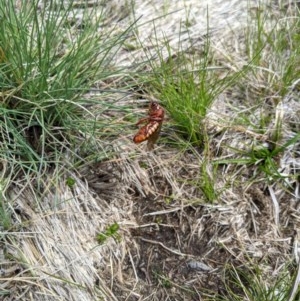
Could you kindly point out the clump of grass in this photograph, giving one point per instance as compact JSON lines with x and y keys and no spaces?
{"x":274,"y":53}
{"x":241,"y":284}
{"x":47,"y":63}
{"x":187,"y":82}
{"x":182,"y":84}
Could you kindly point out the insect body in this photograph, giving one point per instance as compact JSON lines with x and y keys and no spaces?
{"x":151,"y":130}
{"x":146,"y":131}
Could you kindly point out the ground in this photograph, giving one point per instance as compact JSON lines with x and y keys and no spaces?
{"x":173,"y":242}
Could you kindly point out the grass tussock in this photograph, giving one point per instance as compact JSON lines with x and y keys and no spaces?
{"x":48,"y":64}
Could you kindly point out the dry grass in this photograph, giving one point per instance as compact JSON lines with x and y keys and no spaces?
{"x":172,"y":244}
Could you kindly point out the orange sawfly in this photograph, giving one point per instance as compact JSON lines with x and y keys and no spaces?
{"x":151,"y":130}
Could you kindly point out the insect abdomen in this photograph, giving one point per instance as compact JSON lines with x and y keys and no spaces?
{"x":146,"y":131}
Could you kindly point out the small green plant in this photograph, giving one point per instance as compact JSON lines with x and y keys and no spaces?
{"x":264,"y":157}
{"x":207,"y":183}
{"x":5,"y":216}
{"x":162,"y":279}
{"x":70,"y":182}
{"x":110,"y":231}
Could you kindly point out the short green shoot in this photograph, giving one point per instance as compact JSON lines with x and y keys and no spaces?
{"x":70,"y":182}
{"x":110,"y":231}
{"x":207,"y":183}
{"x":162,"y":280}
{"x":5,"y":215}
